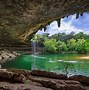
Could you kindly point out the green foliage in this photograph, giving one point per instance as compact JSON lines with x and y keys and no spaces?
{"x":62,"y":42}
{"x":51,"y":45}
{"x":81,"y":46}
{"x":62,"y":46}
{"x":87,"y":47}
{"x":71,"y":44}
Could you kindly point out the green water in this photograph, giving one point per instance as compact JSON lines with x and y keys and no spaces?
{"x":69,"y":64}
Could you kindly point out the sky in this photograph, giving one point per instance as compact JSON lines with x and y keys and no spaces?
{"x":68,"y":25}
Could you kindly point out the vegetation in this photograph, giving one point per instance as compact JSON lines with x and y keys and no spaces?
{"x":67,"y":43}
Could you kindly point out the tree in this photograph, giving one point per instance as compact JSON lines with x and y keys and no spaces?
{"x":62,"y":46}
{"x":81,"y":46}
{"x":51,"y":45}
{"x":80,"y":35}
{"x":71,"y":44}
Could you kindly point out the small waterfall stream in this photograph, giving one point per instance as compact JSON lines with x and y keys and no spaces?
{"x":34,"y":52}
{"x":34,"y":48}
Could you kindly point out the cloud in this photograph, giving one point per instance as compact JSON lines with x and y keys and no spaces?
{"x":69,"y":24}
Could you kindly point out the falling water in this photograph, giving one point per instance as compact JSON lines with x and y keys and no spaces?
{"x":34,"y":48}
{"x":34,"y":53}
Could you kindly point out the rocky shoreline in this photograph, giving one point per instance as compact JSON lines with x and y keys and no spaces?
{"x":7,"y":55}
{"x":40,"y":80}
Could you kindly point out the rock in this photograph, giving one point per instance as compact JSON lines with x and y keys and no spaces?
{"x":16,"y":54}
{"x":0,"y":57}
{"x":12,"y":76}
{"x":48,"y":74}
{"x":19,"y":78}
{"x":20,"y":71}
{"x":10,"y":86}
{"x":23,"y":18}
{"x":5,"y":55}
{"x":21,"y":81}
{"x":80,"y":78}
{"x":11,"y":55}
{"x":56,"y":84}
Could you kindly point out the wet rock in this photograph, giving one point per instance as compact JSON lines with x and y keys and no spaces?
{"x":80,"y":78}
{"x":48,"y":74}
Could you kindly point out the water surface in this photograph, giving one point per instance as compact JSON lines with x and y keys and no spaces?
{"x":69,"y":64}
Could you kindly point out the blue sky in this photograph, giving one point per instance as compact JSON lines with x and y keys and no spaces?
{"x":68,"y":25}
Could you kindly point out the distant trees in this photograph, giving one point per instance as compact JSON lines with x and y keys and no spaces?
{"x":68,"y":43}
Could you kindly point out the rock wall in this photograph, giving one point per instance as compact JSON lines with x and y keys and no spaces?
{"x":20,"y":19}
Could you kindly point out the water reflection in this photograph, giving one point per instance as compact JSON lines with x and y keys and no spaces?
{"x":66,"y":64}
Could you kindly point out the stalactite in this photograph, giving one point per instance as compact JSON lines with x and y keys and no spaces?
{"x":67,"y":16}
{"x":77,"y":15}
{"x":45,"y":28}
{"x":81,"y":14}
{"x":48,"y":23}
{"x":58,"y":21}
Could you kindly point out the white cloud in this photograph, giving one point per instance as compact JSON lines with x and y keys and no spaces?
{"x":69,"y":25}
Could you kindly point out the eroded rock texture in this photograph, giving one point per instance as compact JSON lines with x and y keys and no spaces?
{"x":20,"y":19}
{"x":38,"y":80}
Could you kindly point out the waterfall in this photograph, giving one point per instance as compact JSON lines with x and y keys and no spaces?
{"x":34,"y":47}
{"x":34,"y":52}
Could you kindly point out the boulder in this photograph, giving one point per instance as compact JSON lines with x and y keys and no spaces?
{"x":48,"y":74}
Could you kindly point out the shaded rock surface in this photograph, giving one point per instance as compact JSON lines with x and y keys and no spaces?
{"x":25,"y":80}
{"x":20,"y":19}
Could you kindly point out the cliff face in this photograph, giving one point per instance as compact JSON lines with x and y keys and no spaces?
{"x":22,"y":18}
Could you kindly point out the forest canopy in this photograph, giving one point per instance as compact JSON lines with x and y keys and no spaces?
{"x":63,"y":43}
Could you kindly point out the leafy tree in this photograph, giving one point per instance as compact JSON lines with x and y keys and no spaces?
{"x":51,"y":45}
{"x":80,"y":35}
{"x":81,"y":46}
{"x":62,"y":46}
{"x":71,"y":44}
